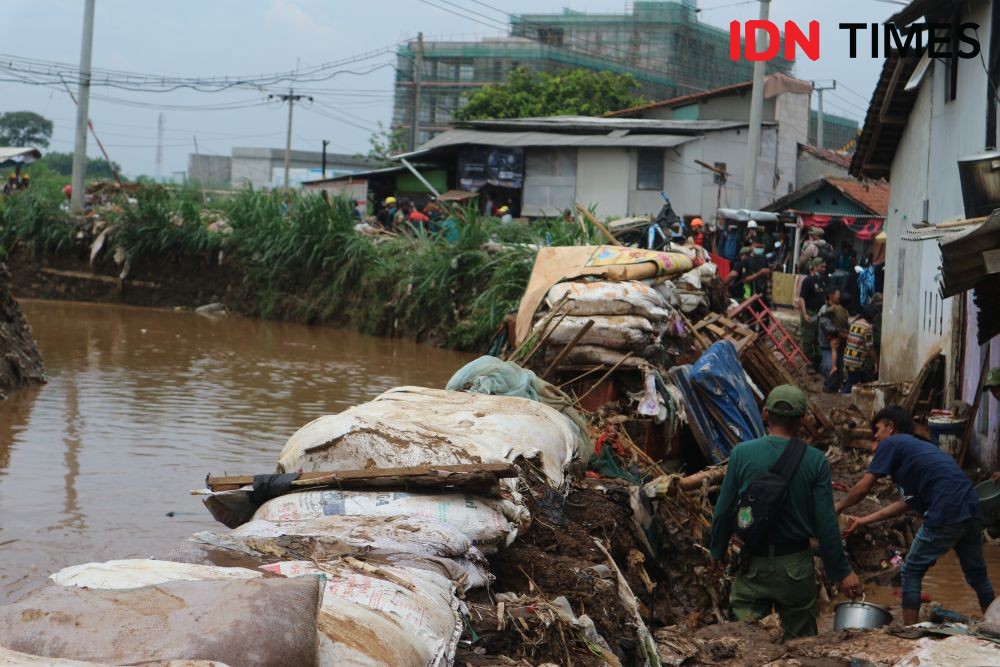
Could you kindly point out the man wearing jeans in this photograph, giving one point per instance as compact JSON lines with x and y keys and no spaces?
{"x":933,"y":484}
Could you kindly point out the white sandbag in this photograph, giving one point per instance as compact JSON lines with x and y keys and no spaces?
{"x":139,"y":572}
{"x":690,"y":280}
{"x":410,"y":541}
{"x":415,"y":620}
{"x":617,"y":332}
{"x":489,"y":522}
{"x":415,"y":426}
{"x":630,"y":297}
{"x":587,"y":355}
{"x":10,"y":658}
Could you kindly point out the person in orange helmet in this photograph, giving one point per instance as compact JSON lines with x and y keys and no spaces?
{"x":698,"y":231}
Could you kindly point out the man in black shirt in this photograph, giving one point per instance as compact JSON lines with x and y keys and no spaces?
{"x":812,"y":296}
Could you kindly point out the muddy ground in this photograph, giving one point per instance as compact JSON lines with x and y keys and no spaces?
{"x":20,"y":360}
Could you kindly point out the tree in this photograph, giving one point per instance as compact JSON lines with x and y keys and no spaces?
{"x":577,"y":92}
{"x":24,"y":128}
{"x":62,"y":163}
{"x":386,"y":142}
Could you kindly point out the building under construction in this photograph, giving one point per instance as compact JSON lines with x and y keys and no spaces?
{"x":660,"y":42}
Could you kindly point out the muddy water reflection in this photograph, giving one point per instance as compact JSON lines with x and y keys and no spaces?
{"x":142,"y":404}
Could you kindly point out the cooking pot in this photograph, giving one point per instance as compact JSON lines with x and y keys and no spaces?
{"x":860,"y":615}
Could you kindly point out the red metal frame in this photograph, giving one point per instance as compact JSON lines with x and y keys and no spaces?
{"x":755,"y":314}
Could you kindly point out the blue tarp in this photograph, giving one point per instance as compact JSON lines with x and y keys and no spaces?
{"x":717,"y":380}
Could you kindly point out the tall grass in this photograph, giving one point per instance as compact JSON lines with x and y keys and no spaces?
{"x":300,"y":258}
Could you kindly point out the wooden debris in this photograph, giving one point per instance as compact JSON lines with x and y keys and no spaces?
{"x":465,"y":476}
{"x":715,"y":327}
{"x":569,"y":346}
{"x":597,"y":223}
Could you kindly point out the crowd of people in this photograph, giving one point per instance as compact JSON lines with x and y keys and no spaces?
{"x":16,"y":182}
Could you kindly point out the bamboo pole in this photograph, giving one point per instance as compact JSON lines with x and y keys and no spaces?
{"x":597,"y":223}
{"x":569,"y":346}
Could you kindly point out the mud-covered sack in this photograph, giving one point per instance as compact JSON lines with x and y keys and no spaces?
{"x":629,"y":297}
{"x":396,"y":617}
{"x":490,"y":523}
{"x":616,"y":332}
{"x":416,"y":426}
{"x":10,"y":658}
{"x":594,"y":355}
{"x":139,"y":572}
{"x":410,"y":541}
{"x":252,"y":622}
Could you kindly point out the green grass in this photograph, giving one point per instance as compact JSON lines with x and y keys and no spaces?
{"x":301,"y":259}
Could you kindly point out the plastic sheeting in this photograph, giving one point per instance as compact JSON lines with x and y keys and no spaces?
{"x":415,"y":426}
{"x":717,"y":383}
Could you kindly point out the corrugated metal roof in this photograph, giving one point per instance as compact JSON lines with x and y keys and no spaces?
{"x":537,"y":139}
{"x":593,"y":124}
{"x":20,"y":154}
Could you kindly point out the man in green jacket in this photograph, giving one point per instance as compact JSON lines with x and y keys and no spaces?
{"x":779,"y":574}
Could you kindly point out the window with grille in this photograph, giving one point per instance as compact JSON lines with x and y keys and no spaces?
{"x":649,"y":169}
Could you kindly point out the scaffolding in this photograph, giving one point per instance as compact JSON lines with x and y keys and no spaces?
{"x":660,"y":42}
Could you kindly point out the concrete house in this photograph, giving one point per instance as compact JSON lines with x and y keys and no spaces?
{"x":618,"y":165}
{"x":925,"y":115}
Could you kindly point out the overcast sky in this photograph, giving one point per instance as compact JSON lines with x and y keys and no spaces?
{"x":242,"y":37}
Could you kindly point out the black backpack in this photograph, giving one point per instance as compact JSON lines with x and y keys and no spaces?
{"x":759,"y":507}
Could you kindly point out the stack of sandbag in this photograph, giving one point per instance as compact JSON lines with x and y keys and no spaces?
{"x":628,"y":316}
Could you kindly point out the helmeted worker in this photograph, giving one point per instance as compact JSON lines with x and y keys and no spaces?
{"x":505,"y":216}
{"x":698,"y":230}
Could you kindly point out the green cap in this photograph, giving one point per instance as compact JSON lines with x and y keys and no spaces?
{"x":816,"y":261}
{"x":818,"y":231}
{"x":992,"y":378}
{"x":745,"y":250}
{"x":786,"y":400}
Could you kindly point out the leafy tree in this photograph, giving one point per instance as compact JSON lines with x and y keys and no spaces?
{"x":577,"y":92}
{"x":386,"y":142}
{"x":62,"y":163}
{"x":24,"y":128}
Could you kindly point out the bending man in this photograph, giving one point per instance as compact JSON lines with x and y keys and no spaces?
{"x":933,"y":484}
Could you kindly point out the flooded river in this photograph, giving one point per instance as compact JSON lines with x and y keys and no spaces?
{"x":142,"y":404}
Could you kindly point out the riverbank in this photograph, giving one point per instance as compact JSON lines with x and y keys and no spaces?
{"x":295,"y":258}
{"x":20,"y":360}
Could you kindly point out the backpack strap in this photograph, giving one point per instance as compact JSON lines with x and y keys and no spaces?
{"x":788,"y":462}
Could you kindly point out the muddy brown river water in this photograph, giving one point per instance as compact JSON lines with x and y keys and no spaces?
{"x":141,"y":404}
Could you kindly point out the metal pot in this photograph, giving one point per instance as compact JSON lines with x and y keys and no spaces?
{"x":860,"y":615}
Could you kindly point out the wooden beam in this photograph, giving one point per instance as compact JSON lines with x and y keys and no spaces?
{"x":97,"y":277}
{"x":463,"y":475}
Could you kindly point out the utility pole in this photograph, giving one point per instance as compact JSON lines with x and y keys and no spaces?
{"x":418,"y":67}
{"x":82,"y":108}
{"x":291,"y":98}
{"x":819,"y":113}
{"x":756,"y":118}
{"x":326,"y":142}
{"x":159,"y":148}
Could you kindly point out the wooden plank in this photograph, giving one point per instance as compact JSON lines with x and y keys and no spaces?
{"x":463,"y":475}
{"x":569,"y":346}
{"x":97,"y":277}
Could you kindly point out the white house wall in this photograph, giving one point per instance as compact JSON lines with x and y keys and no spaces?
{"x":904,"y":260}
{"x":916,"y":320}
{"x":602,"y":179}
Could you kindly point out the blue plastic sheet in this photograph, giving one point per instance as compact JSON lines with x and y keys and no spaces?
{"x":717,"y":380}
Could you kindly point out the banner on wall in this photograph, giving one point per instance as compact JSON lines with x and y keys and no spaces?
{"x":863,"y":227}
{"x":501,"y":167}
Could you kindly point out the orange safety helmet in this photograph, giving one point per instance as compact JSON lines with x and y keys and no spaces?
{"x":697,"y":223}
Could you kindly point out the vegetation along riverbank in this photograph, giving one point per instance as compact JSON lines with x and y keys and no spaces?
{"x":283,"y":256}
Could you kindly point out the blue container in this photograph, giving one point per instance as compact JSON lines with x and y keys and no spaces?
{"x":940,"y":426}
